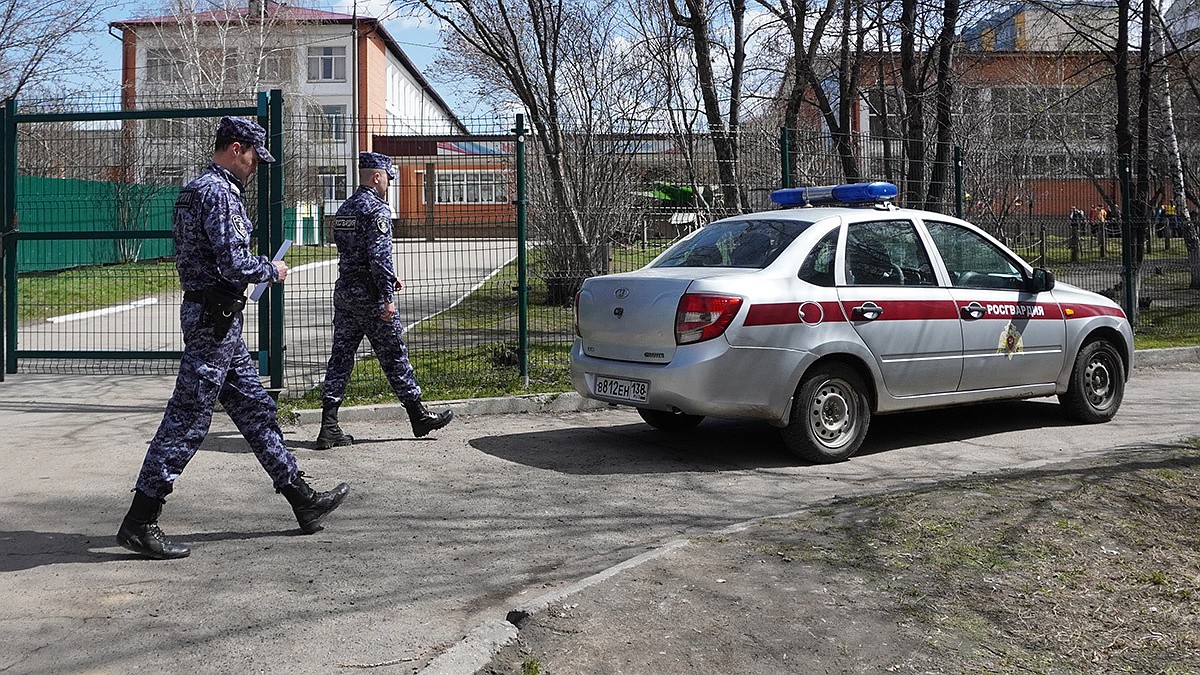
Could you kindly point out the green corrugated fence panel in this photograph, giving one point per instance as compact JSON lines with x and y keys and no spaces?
{"x":72,"y":205}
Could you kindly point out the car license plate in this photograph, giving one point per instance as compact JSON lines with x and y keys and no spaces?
{"x":626,"y":390}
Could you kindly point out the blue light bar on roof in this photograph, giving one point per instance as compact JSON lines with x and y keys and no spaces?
{"x":848,"y":193}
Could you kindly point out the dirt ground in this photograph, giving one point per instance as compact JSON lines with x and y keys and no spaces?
{"x":1085,"y":567}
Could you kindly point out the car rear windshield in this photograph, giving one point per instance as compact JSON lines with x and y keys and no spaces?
{"x":752,"y":244}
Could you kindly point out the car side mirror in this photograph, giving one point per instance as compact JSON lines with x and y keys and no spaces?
{"x":1040,"y":281}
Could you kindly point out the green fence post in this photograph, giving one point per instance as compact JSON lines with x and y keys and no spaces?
{"x":276,"y":193}
{"x":522,"y":261}
{"x":1127,"y":241}
{"x":785,"y":159}
{"x":262,"y":233}
{"x":4,"y":220}
{"x":8,"y":235}
{"x":958,"y":181}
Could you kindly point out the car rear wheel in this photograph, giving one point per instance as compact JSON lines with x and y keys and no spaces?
{"x":1097,"y":383}
{"x":830,"y":415}
{"x":669,"y":421}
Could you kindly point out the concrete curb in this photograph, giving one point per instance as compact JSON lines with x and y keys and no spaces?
{"x":1167,"y":356}
{"x":474,"y":651}
{"x":501,"y":405}
{"x":480,"y":646}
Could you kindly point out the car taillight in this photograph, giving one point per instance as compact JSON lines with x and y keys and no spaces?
{"x":703,"y":317}
{"x":577,"y":333}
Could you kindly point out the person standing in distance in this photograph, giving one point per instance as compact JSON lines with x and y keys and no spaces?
{"x":213,"y":259}
{"x":364,"y":303}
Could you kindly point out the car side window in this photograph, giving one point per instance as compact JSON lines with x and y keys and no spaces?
{"x":817,"y":268}
{"x":886,"y":253}
{"x":972,"y":260}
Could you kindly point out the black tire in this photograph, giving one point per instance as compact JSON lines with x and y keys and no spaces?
{"x":830,"y":415}
{"x":1097,"y":384}
{"x":669,"y":421}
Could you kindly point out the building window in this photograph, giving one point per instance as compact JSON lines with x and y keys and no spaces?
{"x":879,"y":125}
{"x":276,"y":67}
{"x":163,"y":66}
{"x":326,"y":64}
{"x":333,"y":122}
{"x":332,"y":180}
{"x":472,"y":187}
{"x":168,"y":175}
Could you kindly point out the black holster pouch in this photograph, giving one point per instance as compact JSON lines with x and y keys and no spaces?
{"x":369,"y":282}
{"x":220,"y":306}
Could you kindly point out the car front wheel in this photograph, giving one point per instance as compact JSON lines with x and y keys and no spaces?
{"x":1097,"y":384}
{"x":669,"y":421}
{"x":830,"y":415}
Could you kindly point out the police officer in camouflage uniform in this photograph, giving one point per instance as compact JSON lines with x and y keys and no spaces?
{"x":213,"y":259}
{"x":364,"y":303}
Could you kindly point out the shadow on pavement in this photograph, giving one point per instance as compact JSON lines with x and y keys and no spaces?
{"x":27,"y":549}
{"x":641,"y":449}
{"x":312,"y":445}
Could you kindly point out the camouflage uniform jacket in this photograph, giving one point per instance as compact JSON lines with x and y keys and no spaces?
{"x":212,"y":235}
{"x":363,"y":233}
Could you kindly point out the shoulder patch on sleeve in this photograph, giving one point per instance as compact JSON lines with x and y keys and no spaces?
{"x":185,"y":199}
{"x":383,"y":222}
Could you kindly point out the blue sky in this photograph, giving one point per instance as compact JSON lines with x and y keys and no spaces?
{"x":418,"y":39}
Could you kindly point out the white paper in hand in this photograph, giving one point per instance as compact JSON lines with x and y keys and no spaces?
{"x":259,"y":289}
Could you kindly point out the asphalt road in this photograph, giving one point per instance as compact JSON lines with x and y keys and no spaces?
{"x":438,"y":535}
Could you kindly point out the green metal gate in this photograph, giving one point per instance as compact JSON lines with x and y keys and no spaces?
{"x":73,"y":225}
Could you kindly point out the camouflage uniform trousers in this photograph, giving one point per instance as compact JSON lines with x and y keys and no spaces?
{"x":351,"y":321}
{"x":214,"y":370}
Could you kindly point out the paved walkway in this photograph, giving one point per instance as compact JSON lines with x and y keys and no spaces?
{"x":441,"y":538}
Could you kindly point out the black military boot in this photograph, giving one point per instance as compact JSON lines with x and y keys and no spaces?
{"x":139,"y":530}
{"x":424,"y":421}
{"x":331,"y":434}
{"x":312,"y":507}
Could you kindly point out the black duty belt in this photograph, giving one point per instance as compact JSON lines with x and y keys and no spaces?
{"x":195,"y":296}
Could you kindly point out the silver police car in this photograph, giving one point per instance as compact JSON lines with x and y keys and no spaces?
{"x":815,"y":318}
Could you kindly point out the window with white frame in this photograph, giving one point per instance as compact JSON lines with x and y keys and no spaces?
{"x":163,"y":66}
{"x":169,"y":175}
{"x":472,"y":187}
{"x":326,"y":64}
{"x":276,"y":67}
{"x":332,"y":180}
{"x":333,"y":122}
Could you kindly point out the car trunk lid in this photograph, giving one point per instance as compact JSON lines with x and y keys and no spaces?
{"x":630,"y":318}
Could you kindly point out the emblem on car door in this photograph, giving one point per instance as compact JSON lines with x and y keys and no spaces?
{"x":622,"y":293}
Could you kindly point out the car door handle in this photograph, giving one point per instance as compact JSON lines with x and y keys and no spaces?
{"x":973,"y":311}
{"x":868,"y":311}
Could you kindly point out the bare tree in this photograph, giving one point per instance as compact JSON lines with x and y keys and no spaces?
{"x":701,"y":30}
{"x":40,"y":41}
{"x":824,"y":38}
{"x":565,"y":63}
{"x":1180,"y":192}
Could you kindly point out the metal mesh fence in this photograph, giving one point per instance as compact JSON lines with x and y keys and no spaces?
{"x":93,"y":262}
{"x":597,"y":201}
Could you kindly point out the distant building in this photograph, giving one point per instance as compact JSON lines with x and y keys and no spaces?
{"x":1044,"y":27}
{"x":1183,"y":20}
{"x":1033,"y":88}
{"x":345,"y":80}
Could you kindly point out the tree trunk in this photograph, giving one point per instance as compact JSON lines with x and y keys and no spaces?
{"x":945,"y":100}
{"x":914,"y":114}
